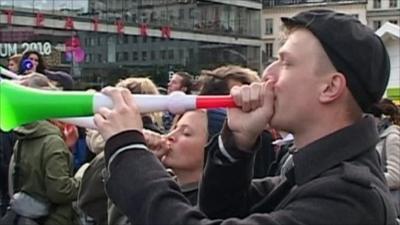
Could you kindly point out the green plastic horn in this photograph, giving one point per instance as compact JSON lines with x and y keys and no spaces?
{"x":20,"y":105}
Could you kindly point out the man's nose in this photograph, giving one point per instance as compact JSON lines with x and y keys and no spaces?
{"x":270,"y":72}
{"x":171,"y":138}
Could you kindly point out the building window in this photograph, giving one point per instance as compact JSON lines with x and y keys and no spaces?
{"x":269,"y":23}
{"x":87,"y":59}
{"x":269,"y":50}
{"x":191,"y":53}
{"x":393,"y":3}
{"x":135,"y":56}
{"x":376,"y":24}
{"x":144,"y":56}
{"x":377,"y":4}
{"x":134,"y":18}
{"x":100,"y":58}
{"x":393,"y":21}
{"x":118,"y":56}
{"x":180,"y":52}
{"x":153,"y":55}
{"x":181,"y":14}
{"x":126,"y":39}
{"x":192,"y":13}
{"x":163,"y":54}
{"x":126,"y":56}
{"x":355,"y":15}
{"x":171,"y":54}
{"x":134,"y":39}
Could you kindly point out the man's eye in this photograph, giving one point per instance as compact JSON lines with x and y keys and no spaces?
{"x":186,"y":132}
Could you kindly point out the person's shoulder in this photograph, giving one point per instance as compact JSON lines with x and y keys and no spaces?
{"x":359,"y":175}
{"x":55,"y":144}
{"x":348,"y":177}
{"x":395,"y":129}
{"x":390,"y":130}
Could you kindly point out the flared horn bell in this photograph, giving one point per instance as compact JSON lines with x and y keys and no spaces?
{"x":20,"y":105}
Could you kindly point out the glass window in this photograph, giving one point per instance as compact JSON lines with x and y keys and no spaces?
{"x":181,"y":53}
{"x":144,"y":56}
{"x":135,"y":56}
{"x":181,"y":14}
{"x":126,"y":39}
{"x":377,"y":4}
{"x":153,"y":55}
{"x":393,"y":3}
{"x":119,"y":40}
{"x":269,"y":26}
{"x":376,"y":24}
{"x":87,"y":59}
{"x":126,"y":56}
{"x":163,"y":54}
{"x":393,"y":21}
{"x":153,"y":16}
{"x":171,"y":54}
{"x":355,"y":15}
{"x":134,"y":39}
{"x":99,"y":58}
{"x":191,"y":52}
{"x":269,"y":50}
{"x":192,"y":13}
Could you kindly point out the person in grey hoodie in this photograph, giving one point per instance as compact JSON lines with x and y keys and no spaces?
{"x":388,"y":122}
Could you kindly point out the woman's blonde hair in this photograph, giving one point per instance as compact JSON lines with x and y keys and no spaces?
{"x":142,"y":85}
{"x":234,"y":72}
{"x":16,"y":58}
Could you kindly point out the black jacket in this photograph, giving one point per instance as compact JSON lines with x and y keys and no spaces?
{"x":335,"y":180}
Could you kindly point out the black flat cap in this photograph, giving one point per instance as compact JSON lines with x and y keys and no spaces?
{"x":353,"y":48}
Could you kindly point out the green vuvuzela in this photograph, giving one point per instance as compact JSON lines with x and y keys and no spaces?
{"x":21,"y":105}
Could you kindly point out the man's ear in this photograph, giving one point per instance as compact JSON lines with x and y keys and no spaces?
{"x":333,"y":87}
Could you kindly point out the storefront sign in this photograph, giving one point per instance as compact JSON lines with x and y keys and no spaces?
{"x":9,"y":49}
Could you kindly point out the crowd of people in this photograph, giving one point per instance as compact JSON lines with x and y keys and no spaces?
{"x":311,"y":141}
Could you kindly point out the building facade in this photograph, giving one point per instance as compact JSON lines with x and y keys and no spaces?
{"x":115,"y":38}
{"x":390,"y":35}
{"x":382,"y":11}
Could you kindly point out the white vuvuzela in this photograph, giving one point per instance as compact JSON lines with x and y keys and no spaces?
{"x":8,"y":73}
{"x":177,"y":102}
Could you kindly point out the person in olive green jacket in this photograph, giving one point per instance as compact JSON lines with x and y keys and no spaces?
{"x":42,"y":165}
{"x":45,"y":170}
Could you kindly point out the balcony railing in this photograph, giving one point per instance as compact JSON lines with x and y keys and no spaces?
{"x":272,"y":3}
